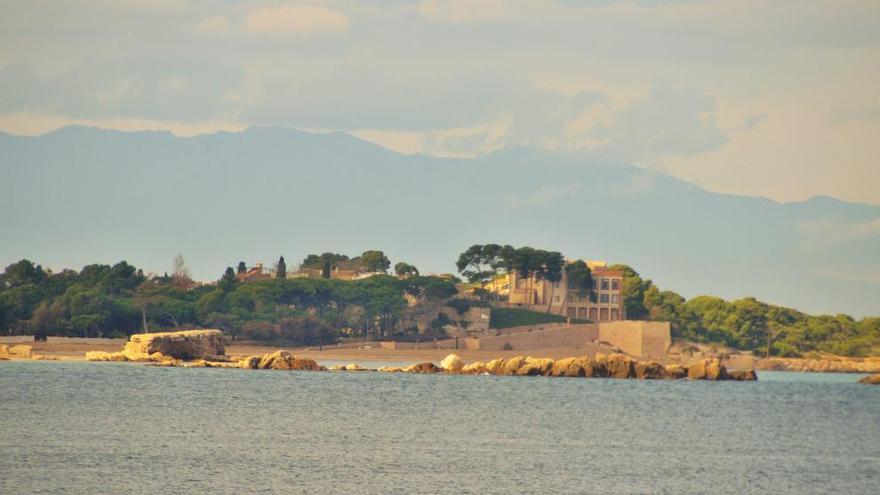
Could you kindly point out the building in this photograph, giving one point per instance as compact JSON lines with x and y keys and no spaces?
{"x":603,"y":302}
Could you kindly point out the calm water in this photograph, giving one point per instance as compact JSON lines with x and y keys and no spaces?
{"x":121,"y":428}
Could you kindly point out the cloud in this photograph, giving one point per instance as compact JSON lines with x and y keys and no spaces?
{"x":471,"y":11}
{"x":296,"y":21}
{"x":217,"y":25}
{"x":669,"y":121}
{"x":546,"y":195}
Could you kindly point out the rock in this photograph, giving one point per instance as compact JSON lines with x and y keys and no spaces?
{"x":185,"y":345}
{"x":495,"y":366}
{"x":354,"y":367}
{"x":742,"y":375}
{"x":715,"y":370}
{"x":707,"y":369}
{"x":475,"y":368}
{"x":593,"y":368}
{"x":452,"y":363}
{"x":249,"y":362}
{"x":561,"y":366}
{"x":871,"y":379}
{"x":105,"y":356}
{"x":390,"y":369}
{"x":535,"y":367}
{"x":676,"y":372}
{"x":20,"y":351}
{"x":427,"y":367}
{"x":337,"y":367}
{"x":512,"y":365}
{"x":620,"y":366}
{"x":650,"y":370}
{"x":283,"y":360}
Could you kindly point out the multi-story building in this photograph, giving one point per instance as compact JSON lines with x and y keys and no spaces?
{"x":602,"y":302}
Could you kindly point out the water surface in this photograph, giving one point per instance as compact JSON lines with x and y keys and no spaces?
{"x":86,"y":428}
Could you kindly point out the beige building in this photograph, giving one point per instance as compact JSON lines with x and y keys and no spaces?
{"x":603,"y":302}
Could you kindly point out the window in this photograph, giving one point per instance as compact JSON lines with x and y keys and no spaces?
{"x":556,"y":298}
{"x":593,"y":298}
{"x":615,"y":284}
{"x":582,"y":312}
{"x":603,"y":298}
{"x":615,"y":298}
{"x":603,"y":314}
{"x":615,"y":314}
{"x":572,"y":312}
{"x":604,"y":284}
{"x":594,"y":314}
{"x":573,"y":297}
{"x":594,"y":283}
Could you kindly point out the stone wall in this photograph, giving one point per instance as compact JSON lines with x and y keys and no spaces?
{"x":638,"y":338}
{"x":537,"y":338}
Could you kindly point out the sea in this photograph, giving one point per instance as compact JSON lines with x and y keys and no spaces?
{"x":121,"y":428}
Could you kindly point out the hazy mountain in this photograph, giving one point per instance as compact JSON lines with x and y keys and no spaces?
{"x":80,"y":195}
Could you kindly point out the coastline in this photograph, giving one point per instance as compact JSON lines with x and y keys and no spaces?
{"x":75,"y":349}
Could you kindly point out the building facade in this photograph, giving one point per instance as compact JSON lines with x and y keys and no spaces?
{"x":603,"y":302}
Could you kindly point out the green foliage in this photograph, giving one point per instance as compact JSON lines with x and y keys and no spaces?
{"x":405,"y":270}
{"x":512,"y":317}
{"x":281,"y":268}
{"x":461,"y":306}
{"x":375,"y":261}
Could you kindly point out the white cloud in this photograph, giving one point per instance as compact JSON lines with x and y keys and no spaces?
{"x":470,"y":11}
{"x":547,"y":195}
{"x":296,"y":21}
{"x":217,"y":25}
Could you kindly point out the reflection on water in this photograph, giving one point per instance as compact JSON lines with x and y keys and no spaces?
{"x":122,"y":428}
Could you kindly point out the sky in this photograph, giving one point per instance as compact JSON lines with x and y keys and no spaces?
{"x":764,"y":98}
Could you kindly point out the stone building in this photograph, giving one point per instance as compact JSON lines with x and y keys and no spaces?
{"x":603,"y":302}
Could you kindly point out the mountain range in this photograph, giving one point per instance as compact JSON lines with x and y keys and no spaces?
{"x":81,"y":195}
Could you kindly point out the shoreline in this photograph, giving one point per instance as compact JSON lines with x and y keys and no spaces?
{"x":75,"y":349}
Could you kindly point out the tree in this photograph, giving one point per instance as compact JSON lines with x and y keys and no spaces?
{"x":472,"y":265}
{"x":553,"y":265}
{"x":228,"y":281}
{"x":405,"y":270}
{"x":281,"y":268}
{"x":180,"y":274}
{"x":242,"y":268}
{"x":375,"y":261}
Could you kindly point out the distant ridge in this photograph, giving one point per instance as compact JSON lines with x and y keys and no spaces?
{"x":80,"y":194}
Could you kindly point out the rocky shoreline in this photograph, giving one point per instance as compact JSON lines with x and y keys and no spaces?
{"x":204,"y":349}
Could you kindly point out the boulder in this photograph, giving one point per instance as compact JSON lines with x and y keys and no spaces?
{"x":495,"y":366}
{"x":427,"y":367}
{"x":105,"y":356}
{"x":561,"y":367}
{"x":249,"y":362}
{"x":512,"y":365}
{"x":535,"y":367}
{"x":742,"y":375}
{"x":620,"y":366}
{"x":593,"y":368}
{"x":20,"y":351}
{"x":185,"y":345}
{"x":707,"y":369}
{"x":452,"y":363}
{"x":337,"y":367}
{"x":390,"y":369}
{"x":650,"y":370}
{"x":871,"y":379}
{"x":354,"y":367}
{"x":676,"y":372}
{"x":283,"y":360}
{"x":475,"y":368}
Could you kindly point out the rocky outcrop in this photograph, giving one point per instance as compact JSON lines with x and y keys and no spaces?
{"x":16,"y":351}
{"x":676,"y":372}
{"x":620,"y":366}
{"x":742,"y":375}
{"x":707,"y":369}
{"x":168,"y":347}
{"x":452,"y":363}
{"x":475,"y":368}
{"x":185,"y":345}
{"x":871,"y":379}
{"x":822,"y":363}
{"x":427,"y":367}
{"x":650,"y":370}
{"x":535,"y":367}
{"x":282,"y":360}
